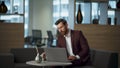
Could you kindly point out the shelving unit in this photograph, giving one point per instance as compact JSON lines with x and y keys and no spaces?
{"x":99,"y":9}
{"x":12,"y":25}
{"x":15,"y":13}
{"x":102,"y":36}
{"x":11,"y":36}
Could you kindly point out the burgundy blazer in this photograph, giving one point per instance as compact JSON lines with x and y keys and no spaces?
{"x":79,"y":46}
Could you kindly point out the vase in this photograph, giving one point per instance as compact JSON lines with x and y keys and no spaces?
{"x":115,"y":21}
{"x":95,"y":21}
{"x":38,"y":58}
{"x":79,"y":15}
{"x":118,"y":4}
{"x":109,"y":21}
{"x":3,"y":7}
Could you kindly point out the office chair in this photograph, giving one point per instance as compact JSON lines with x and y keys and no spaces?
{"x":37,"y":38}
{"x":50,"y":38}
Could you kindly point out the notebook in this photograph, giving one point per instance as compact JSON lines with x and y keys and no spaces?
{"x":56,"y":54}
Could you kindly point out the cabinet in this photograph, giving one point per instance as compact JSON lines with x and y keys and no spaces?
{"x":15,"y":13}
{"x":104,"y":12}
{"x":11,"y":36}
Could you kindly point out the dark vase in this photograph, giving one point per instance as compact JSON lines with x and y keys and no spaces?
{"x":3,"y":7}
{"x":79,"y":15}
{"x":95,"y":21}
{"x":118,"y":4}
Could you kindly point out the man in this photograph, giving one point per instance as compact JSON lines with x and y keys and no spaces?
{"x":75,"y":43}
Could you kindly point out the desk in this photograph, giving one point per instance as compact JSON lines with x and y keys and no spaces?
{"x":46,"y":63}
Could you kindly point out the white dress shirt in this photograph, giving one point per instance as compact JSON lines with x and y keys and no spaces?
{"x":69,"y":45}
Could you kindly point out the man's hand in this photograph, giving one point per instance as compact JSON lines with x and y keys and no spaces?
{"x":72,"y":58}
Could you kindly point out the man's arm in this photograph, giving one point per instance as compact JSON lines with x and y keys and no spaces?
{"x":84,"y":52}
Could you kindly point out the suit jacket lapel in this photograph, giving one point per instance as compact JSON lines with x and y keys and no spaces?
{"x":72,"y":40}
{"x":64,"y":42}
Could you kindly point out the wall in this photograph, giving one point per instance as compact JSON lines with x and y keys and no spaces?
{"x":103,"y":37}
{"x":11,"y":36}
{"x":71,"y":14}
{"x":40,"y":12}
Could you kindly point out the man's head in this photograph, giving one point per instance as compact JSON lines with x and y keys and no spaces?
{"x":62,"y":26}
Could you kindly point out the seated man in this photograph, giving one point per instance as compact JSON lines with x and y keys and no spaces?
{"x":75,"y":43}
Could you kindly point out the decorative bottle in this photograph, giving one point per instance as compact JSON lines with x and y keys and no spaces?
{"x":3,"y":7}
{"x":79,"y":15}
{"x":118,"y":4}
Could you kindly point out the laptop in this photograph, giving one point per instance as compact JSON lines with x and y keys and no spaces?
{"x":56,"y":54}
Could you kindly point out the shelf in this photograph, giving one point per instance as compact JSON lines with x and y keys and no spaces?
{"x":91,"y":0}
{"x":15,"y":13}
{"x":113,"y":9}
{"x":11,"y":14}
{"x":112,"y":0}
{"x":98,"y":9}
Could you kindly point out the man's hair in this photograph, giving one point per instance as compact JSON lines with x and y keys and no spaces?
{"x":60,"y":20}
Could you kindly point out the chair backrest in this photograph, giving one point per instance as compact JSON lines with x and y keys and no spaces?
{"x":50,"y":38}
{"x":50,"y":35}
{"x":36,"y":35}
{"x":105,"y":59}
{"x":25,"y":54}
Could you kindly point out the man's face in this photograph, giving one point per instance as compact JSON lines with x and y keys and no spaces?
{"x":62,"y":28}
